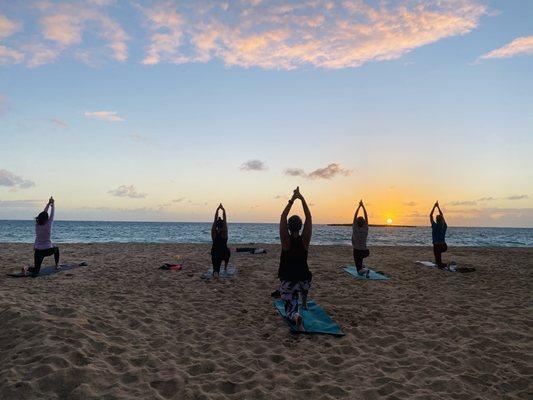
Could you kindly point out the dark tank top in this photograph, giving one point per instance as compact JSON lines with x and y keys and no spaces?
{"x":293,"y":263}
{"x":220,"y":245}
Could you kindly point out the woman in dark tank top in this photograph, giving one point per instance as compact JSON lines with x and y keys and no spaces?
{"x":293,"y":273}
{"x":219,"y":234}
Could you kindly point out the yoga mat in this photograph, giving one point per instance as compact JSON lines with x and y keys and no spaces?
{"x":372,"y":276}
{"x":455,"y":268}
{"x":230,"y":273}
{"x":315,"y":319}
{"x":46,"y":271}
{"x":427,"y":264}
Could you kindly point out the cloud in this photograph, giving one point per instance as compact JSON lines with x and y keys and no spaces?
{"x":9,"y":55}
{"x":288,"y":35}
{"x":410,"y":204}
{"x":520,"y":46}
{"x":8,"y":27}
{"x":489,"y":198}
{"x":65,"y":25}
{"x":127,"y":191}
{"x":110,"y":116}
{"x":280,"y":196}
{"x":179,"y":200}
{"x":331,"y":171}
{"x":253,"y":165}
{"x":295,"y":172}
{"x":266,"y":34}
{"x":462,"y":203}
{"x":517,"y":197}
{"x":59,"y":123}
{"x":11,"y":180}
{"x":20,"y":203}
{"x":137,"y":137}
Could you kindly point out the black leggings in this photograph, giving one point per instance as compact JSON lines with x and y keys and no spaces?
{"x":217,"y":259}
{"x":39,"y":255}
{"x":358,"y":256}
{"x":438,"y":249}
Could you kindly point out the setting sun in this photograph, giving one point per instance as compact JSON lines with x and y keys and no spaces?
{"x":389,"y":221}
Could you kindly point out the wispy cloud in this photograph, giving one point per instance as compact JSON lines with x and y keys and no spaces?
{"x":21,"y":203}
{"x":127,"y":191}
{"x":110,"y":116}
{"x":266,"y":34}
{"x":253,"y":165}
{"x":462,"y":203}
{"x":179,"y":200}
{"x":287,"y":35}
{"x":519,"y":46}
{"x":9,"y":179}
{"x":137,"y":137}
{"x":280,"y":196}
{"x":487,"y":199}
{"x":410,"y":204}
{"x":64,"y":25}
{"x":517,"y":197}
{"x":59,"y":123}
{"x":328,"y":172}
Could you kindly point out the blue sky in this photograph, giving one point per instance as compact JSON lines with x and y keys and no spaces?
{"x":159,"y":111}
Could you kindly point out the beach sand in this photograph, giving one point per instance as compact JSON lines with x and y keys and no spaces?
{"x":123,"y":329}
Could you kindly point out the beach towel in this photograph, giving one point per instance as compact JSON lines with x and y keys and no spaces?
{"x":50,"y":270}
{"x":230,"y":273}
{"x":372,"y":276}
{"x":315,"y":319}
{"x":251,"y":250}
{"x":449,"y":268}
{"x":171,"y":267}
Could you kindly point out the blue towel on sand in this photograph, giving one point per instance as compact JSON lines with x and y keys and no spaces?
{"x":230,"y":273}
{"x":46,"y":271}
{"x":315,"y":319}
{"x":373,"y":276}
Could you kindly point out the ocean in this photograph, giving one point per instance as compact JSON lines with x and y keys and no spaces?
{"x":246,"y":233}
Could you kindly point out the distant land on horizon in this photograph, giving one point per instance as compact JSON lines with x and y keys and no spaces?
{"x":269,"y":223}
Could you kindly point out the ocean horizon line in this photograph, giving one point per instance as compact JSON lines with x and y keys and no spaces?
{"x":273,"y":223}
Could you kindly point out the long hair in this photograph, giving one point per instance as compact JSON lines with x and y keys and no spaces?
{"x":439,"y":219}
{"x":42,"y":218}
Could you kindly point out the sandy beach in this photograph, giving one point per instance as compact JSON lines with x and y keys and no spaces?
{"x":123,"y":329}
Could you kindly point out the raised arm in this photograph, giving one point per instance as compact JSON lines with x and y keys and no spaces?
{"x":283,"y":230}
{"x":51,"y":203}
{"x":432,"y":212}
{"x":308,"y":224}
{"x":356,"y":213}
{"x":225,"y":225}
{"x":214,"y":226}
{"x":440,"y":212}
{"x":364,"y":211}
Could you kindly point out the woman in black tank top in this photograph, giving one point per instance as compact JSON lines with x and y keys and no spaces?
{"x":294,"y":275}
{"x":219,"y":234}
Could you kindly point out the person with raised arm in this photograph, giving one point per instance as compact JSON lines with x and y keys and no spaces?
{"x":219,"y":234}
{"x":43,"y":246}
{"x":294,"y":275}
{"x":359,"y":237}
{"x":438,"y":232}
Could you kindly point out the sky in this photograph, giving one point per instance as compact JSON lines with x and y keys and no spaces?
{"x":160,"y":110}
